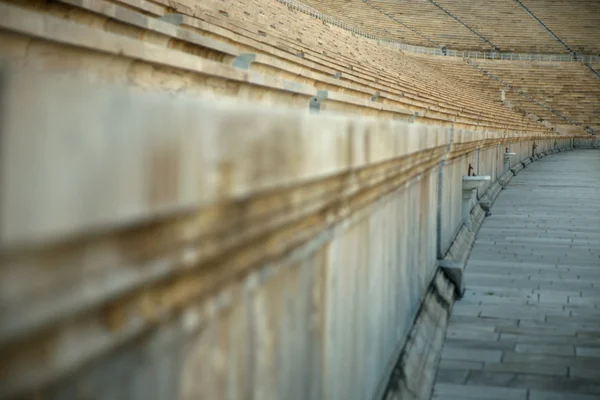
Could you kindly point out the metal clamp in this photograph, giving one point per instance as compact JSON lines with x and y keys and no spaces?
{"x":175,"y":19}
{"x":314,"y":103}
{"x":244,"y":60}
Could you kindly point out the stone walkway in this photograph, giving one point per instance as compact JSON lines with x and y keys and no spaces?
{"x":529,"y":324}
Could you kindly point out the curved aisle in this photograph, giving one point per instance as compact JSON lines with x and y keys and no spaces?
{"x":529,"y":324}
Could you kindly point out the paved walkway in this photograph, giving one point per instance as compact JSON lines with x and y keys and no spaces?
{"x":529,"y":325}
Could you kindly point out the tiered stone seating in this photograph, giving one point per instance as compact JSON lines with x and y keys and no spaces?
{"x":568,"y":88}
{"x":418,"y":23}
{"x":359,"y":77}
{"x":502,"y":22}
{"x":469,"y":75}
{"x":311,"y":34}
{"x":575,"y":22}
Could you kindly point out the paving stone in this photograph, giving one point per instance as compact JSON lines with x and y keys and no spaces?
{"x":563,"y":323}
{"x":542,"y":395}
{"x":590,"y":373}
{"x":587,"y":352}
{"x":531,"y":381}
{"x":494,"y":324}
{"x":580,"y":307}
{"x":526,"y":294}
{"x":583,"y":300}
{"x":452,"y":353}
{"x":577,"y":324}
{"x":562,"y":285}
{"x":585,"y":316}
{"x":537,"y":330}
{"x":549,"y":297}
{"x":479,"y":344}
{"x":451,"y":375}
{"x":582,"y":362}
{"x":472,"y":334}
{"x":479,"y":392}
{"x":465,"y":311}
{"x":496,"y":300}
{"x":557,"y":292}
{"x":552,"y":349}
{"x":460,"y":364}
{"x":527,"y":368}
{"x":472,"y":325}
{"x":498,"y":313}
{"x":554,"y":339}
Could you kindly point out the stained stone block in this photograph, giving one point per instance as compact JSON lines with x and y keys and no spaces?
{"x":454,"y":271}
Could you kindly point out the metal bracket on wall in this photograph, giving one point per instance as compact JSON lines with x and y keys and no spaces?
{"x":413,"y":117}
{"x":175,"y":19}
{"x":375,"y":96}
{"x":244,"y":60}
{"x":314,"y":103}
{"x":337,"y":75}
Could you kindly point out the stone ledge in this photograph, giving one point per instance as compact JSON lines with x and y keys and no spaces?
{"x":488,"y":199}
{"x":463,"y":242}
{"x":414,"y":374}
{"x":516,"y":168}
{"x":505,"y":178}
